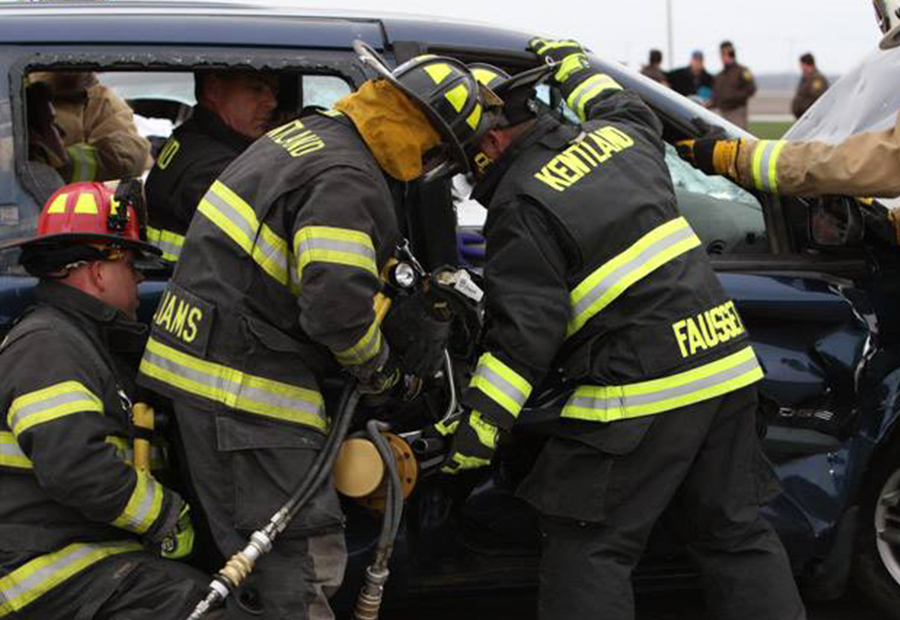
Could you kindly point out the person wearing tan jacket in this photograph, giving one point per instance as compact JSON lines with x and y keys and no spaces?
{"x":98,"y":128}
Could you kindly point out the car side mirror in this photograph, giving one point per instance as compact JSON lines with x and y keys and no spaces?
{"x":835,"y":221}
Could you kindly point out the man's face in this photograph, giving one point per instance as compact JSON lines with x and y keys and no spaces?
{"x":119,"y":281}
{"x":696,"y":65}
{"x":243,"y":102}
{"x":806,"y":69}
{"x":727,"y":56}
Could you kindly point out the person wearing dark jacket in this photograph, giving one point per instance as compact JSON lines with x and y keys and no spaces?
{"x":81,"y":527}
{"x":693,"y":80}
{"x":813,"y":85}
{"x":233,"y":109}
{"x":733,"y":88}
{"x":591,"y":269}
{"x":273,"y":295}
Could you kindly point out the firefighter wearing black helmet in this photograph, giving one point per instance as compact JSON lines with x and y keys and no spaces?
{"x":273,"y":293}
{"x":591,"y":269}
{"x":80,"y":523}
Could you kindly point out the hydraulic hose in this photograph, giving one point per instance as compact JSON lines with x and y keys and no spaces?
{"x":241,"y":564}
{"x":371,"y":594}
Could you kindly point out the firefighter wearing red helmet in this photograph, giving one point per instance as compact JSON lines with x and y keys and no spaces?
{"x":82,"y":528}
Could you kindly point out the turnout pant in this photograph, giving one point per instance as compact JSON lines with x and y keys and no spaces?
{"x":598,"y":507}
{"x":243,"y":470}
{"x":131,"y":586}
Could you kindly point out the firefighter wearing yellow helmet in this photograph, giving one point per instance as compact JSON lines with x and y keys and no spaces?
{"x":273,"y":294}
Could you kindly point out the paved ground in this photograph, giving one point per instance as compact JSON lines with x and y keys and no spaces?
{"x":679,"y":606}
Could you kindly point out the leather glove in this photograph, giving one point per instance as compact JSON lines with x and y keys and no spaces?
{"x":179,"y":542}
{"x":712,"y":156}
{"x":418,"y":339}
{"x":381,"y":379}
{"x":474,"y":444}
{"x":568,"y":55}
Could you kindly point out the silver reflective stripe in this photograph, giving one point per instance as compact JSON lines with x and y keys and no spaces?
{"x":11,"y":454}
{"x":613,"y":278}
{"x":764,"y":162}
{"x":40,"y":575}
{"x":589,"y":90}
{"x":497,"y":380}
{"x":334,"y":245}
{"x":17,"y":589}
{"x":147,"y":488}
{"x":276,"y":255}
{"x":625,"y":402}
{"x":220,"y":385}
{"x":26,"y":411}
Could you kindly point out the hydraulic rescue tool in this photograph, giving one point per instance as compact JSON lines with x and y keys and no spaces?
{"x":384,"y":488}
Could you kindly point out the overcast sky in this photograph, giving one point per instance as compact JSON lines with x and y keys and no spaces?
{"x":769,"y":34}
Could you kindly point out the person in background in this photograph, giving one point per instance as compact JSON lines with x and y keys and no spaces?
{"x":97,"y":126}
{"x":733,"y":87}
{"x":233,"y":109}
{"x":693,"y":80}
{"x":813,"y":85}
{"x":653,"y":69}
{"x":46,"y":153}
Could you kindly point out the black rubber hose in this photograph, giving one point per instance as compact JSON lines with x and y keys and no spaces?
{"x":324,"y":464}
{"x":393,"y":502}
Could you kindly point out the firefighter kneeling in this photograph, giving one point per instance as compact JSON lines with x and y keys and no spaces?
{"x":81,"y":528}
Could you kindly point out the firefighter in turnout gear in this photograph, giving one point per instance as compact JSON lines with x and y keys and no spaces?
{"x":234,"y":108}
{"x":591,"y":269}
{"x":866,"y":164}
{"x":273,"y":294}
{"x":80,"y":526}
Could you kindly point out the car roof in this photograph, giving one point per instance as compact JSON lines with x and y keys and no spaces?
{"x":236,"y":23}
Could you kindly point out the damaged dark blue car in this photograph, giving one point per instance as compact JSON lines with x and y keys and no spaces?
{"x":817,"y":283}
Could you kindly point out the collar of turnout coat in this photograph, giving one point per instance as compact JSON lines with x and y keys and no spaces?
{"x":484,"y":190}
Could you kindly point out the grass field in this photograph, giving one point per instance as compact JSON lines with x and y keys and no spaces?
{"x":769,"y":129}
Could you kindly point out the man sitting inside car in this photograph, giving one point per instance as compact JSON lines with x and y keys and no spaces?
{"x":233,"y":109}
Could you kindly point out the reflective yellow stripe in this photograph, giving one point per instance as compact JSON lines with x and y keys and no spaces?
{"x":11,"y":454}
{"x":457,"y":96}
{"x":618,"y":402}
{"x":765,"y":164}
{"x":501,"y":384}
{"x":342,"y":246}
{"x":474,"y":118}
{"x":59,"y":204}
{"x":588,"y":90}
{"x":613,"y":278}
{"x":469,"y":462}
{"x":543,"y":45}
{"x":237,"y":219}
{"x":86,"y":204}
{"x":486,"y":432}
{"x":169,"y":242}
{"x":37,"y":577}
{"x":438,"y":72}
{"x":144,"y":505}
{"x":49,"y":404}
{"x":368,"y":347}
{"x":85,"y":168}
{"x":233,"y":388}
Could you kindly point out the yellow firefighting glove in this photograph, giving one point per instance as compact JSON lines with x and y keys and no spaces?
{"x":179,"y":543}
{"x":474,"y":444}
{"x":712,"y":156}
{"x":568,"y":55}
